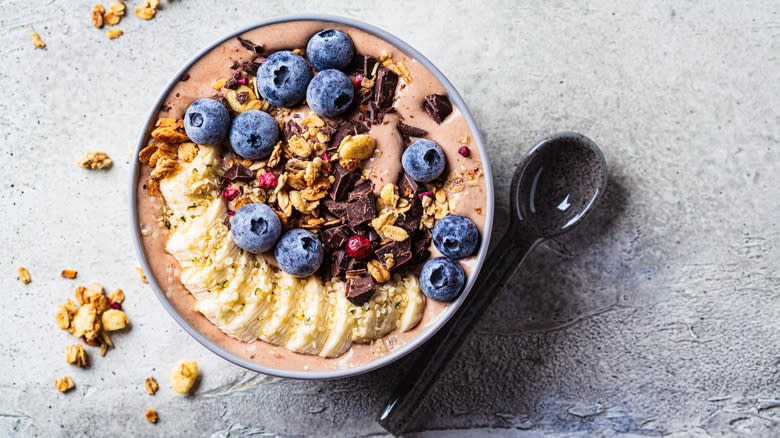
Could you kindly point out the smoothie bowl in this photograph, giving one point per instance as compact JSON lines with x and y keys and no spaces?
{"x":311,"y":198}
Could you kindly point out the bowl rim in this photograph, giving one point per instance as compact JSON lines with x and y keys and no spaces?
{"x":392,"y":356}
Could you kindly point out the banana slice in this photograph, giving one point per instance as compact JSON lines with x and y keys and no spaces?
{"x":414,"y":304}
{"x":310,"y":335}
{"x":340,"y":323}
{"x":282,"y":323}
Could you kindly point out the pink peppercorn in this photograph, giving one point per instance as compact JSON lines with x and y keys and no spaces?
{"x":267,"y":180}
{"x":231,"y":212}
{"x":357,"y":81}
{"x":230,"y":193}
{"x":464,"y":150}
{"x":424,"y":194}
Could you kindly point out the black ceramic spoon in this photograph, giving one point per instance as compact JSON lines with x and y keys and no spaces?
{"x":558,"y":183}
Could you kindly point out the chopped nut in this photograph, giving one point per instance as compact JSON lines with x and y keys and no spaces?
{"x":113,"y":34}
{"x":151,"y":415}
{"x":75,"y":355}
{"x":62,"y":317}
{"x":151,"y":385}
{"x":357,"y":147}
{"x":183,"y":376}
{"x":69,"y":273}
{"x":97,"y":15}
{"x":113,"y":320}
{"x":378,"y":272}
{"x":117,"y":296}
{"x":64,"y":384}
{"x":23,"y":275}
{"x":85,"y":323}
{"x":142,"y":275}
{"x":145,"y":13}
{"x":95,"y":160}
{"x":37,"y":41}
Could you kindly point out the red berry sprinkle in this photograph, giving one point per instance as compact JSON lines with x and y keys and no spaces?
{"x":325,"y":156}
{"x":241,"y":81}
{"x":357,"y":81}
{"x":115,"y":305}
{"x":230,"y":193}
{"x":231,"y":212}
{"x":267,"y":180}
{"x":358,"y":246}
{"x":464,"y":150}
{"x":424,"y":194}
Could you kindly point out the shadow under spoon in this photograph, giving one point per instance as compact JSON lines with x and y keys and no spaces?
{"x":558,"y":183}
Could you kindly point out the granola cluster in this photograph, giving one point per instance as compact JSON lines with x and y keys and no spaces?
{"x":91,"y":317}
{"x":168,"y":143}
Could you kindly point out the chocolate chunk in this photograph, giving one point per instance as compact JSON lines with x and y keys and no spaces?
{"x":335,"y":208}
{"x":368,"y":65}
{"x":231,"y":83}
{"x":292,"y":129}
{"x":335,"y":237}
{"x":361,"y":190}
{"x":237,"y":172}
{"x":401,"y":251}
{"x":410,"y":131}
{"x":386,"y":81}
{"x":343,"y":183}
{"x":438,"y":107}
{"x":337,"y":262}
{"x":235,"y":65}
{"x":373,"y":114}
{"x":361,"y":211}
{"x":410,"y":221}
{"x":242,"y":97}
{"x":355,"y":265}
{"x":407,"y":187}
{"x":360,"y":289}
{"x":421,"y":242}
{"x":249,"y":45}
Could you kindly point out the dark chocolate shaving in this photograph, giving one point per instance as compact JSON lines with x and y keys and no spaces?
{"x":361,"y":190}
{"x":360,"y":289}
{"x":410,"y":220}
{"x":237,"y":172}
{"x":401,"y":251}
{"x":344,"y":129}
{"x":338,"y":262}
{"x":335,"y":208}
{"x":438,"y":107}
{"x":421,"y":243}
{"x":249,"y":45}
{"x":407,"y":187}
{"x":235,"y":65}
{"x":231,"y":83}
{"x":185,"y":77}
{"x":410,"y":131}
{"x":292,"y":129}
{"x":242,"y":97}
{"x":386,"y":81}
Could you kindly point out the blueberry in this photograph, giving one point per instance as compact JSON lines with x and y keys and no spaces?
{"x":299,"y":253}
{"x":456,"y":236}
{"x":282,"y":79}
{"x":255,"y":228}
{"x":253,"y":134}
{"x":330,"y":93}
{"x":423,"y":160}
{"x":330,"y":48}
{"x":442,"y":279}
{"x":206,"y":121}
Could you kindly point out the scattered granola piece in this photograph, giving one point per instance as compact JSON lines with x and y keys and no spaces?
{"x":75,"y":355}
{"x":97,"y":15}
{"x":117,"y":296}
{"x":62,"y":317}
{"x":151,"y":415}
{"x":145,"y":13}
{"x":184,"y":375}
{"x":113,"y":34}
{"x":142,"y":275}
{"x":23,"y":275}
{"x":113,"y":320}
{"x":118,"y":8}
{"x":64,"y":384}
{"x":111,"y":18}
{"x":37,"y":41}
{"x":86,"y":323}
{"x":151,"y":385}
{"x":69,"y":273}
{"x":95,"y":160}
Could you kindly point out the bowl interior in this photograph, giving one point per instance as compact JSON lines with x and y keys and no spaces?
{"x":259,"y":356}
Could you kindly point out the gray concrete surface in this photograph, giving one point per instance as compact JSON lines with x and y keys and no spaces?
{"x":658,"y":317}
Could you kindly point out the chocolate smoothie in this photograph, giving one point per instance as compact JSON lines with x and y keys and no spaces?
{"x":464,"y":186}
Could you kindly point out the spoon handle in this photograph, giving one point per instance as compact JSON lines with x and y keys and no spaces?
{"x":438,"y":351}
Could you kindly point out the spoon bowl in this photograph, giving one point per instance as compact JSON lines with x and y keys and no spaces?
{"x":558,"y":183}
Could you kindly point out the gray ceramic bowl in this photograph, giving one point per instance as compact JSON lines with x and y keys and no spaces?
{"x":392,"y":356}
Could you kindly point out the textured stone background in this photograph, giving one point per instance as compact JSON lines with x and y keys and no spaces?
{"x":660,"y":316}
